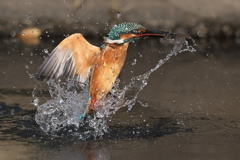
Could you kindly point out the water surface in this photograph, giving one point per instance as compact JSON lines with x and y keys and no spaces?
{"x":188,"y":110}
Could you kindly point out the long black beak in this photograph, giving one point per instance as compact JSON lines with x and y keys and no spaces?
{"x":161,"y":34}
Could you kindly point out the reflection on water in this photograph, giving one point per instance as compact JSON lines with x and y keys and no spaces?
{"x":192,"y":107}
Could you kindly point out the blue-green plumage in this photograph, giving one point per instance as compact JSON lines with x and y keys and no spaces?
{"x":123,"y":28}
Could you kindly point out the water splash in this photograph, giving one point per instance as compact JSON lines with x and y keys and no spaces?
{"x":134,"y":62}
{"x":130,"y":92}
{"x":69,"y":101}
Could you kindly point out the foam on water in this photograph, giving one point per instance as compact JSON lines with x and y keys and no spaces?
{"x":69,"y":101}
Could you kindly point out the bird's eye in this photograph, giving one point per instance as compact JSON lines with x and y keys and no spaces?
{"x":135,"y":31}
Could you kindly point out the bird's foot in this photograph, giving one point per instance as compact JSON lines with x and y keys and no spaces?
{"x":86,"y":114}
{"x":82,"y":116}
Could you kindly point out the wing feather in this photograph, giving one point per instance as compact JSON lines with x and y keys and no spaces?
{"x":72,"y":58}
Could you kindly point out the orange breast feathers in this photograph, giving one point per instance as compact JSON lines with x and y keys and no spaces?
{"x":107,"y":70}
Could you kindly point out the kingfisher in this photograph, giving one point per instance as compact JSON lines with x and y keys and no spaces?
{"x":76,"y":59}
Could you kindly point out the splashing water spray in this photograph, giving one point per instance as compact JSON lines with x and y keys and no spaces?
{"x":69,"y":100}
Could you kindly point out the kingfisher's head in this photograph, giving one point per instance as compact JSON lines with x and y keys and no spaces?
{"x":129,"y":31}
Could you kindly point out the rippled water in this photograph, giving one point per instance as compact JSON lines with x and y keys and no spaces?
{"x":189,"y":108}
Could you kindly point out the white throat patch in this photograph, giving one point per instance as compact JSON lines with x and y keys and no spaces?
{"x":118,"y":41}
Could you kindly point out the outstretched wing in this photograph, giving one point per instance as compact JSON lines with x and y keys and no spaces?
{"x":72,"y":58}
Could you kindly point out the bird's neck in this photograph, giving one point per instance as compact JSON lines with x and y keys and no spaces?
{"x":123,"y":46}
{"x":116,"y":41}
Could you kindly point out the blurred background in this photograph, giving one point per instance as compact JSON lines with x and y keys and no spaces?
{"x":204,"y":18}
{"x":189,"y":109}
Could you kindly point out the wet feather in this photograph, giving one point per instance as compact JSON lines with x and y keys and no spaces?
{"x":72,"y":58}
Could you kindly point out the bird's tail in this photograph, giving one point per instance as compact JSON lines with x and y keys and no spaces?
{"x":91,"y":106}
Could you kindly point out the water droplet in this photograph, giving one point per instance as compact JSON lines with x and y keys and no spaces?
{"x":28,"y":16}
{"x":142,"y":104}
{"x":27,"y":117}
{"x":134,"y":62}
{"x":35,"y":102}
{"x":45,"y":51}
{"x":118,"y":15}
{"x":31,"y":62}
{"x":31,"y":75}
{"x":12,"y":112}
{"x":13,"y":33}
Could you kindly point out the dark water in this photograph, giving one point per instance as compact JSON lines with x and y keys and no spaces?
{"x":189,"y":109}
